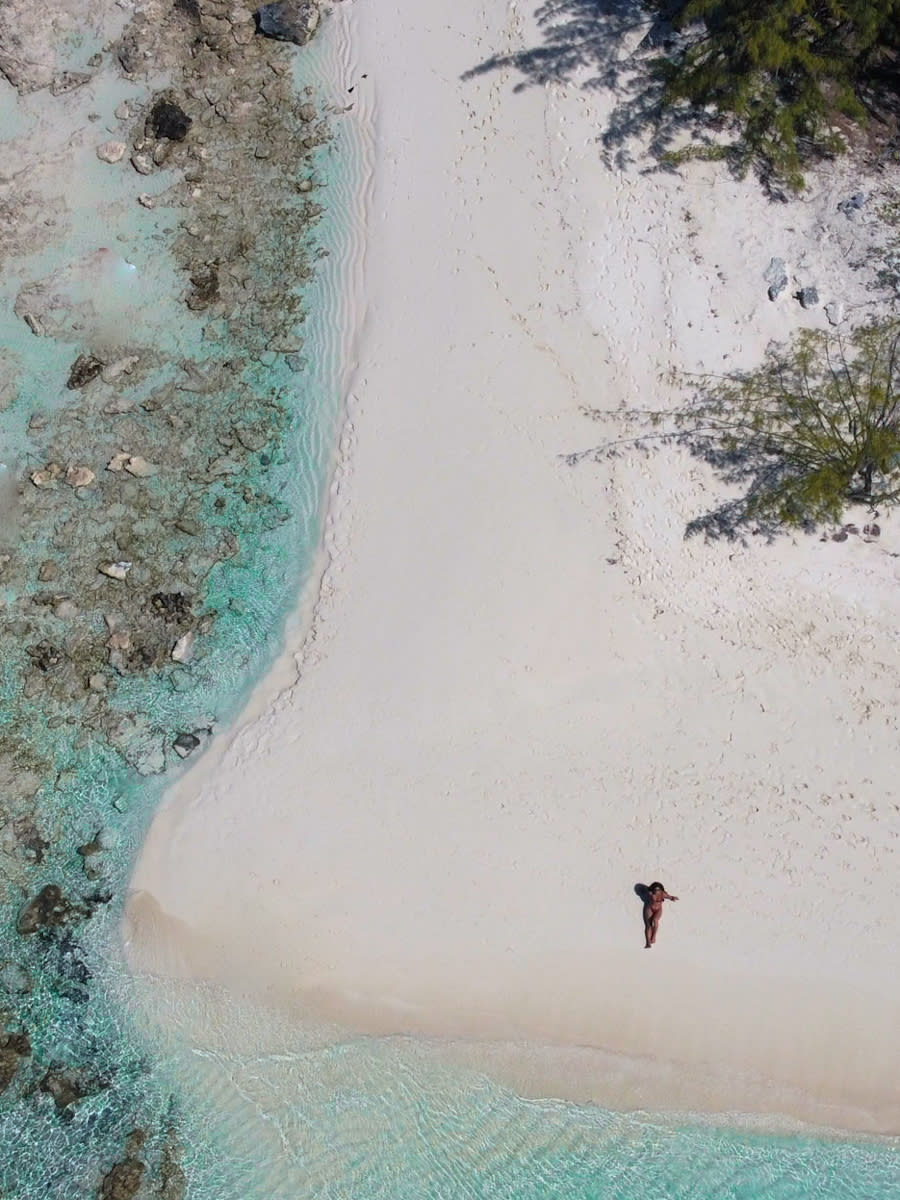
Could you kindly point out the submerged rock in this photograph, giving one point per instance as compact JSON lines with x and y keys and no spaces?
{"x":48,"y":909}
{"x":172,"y":606}
{"x":183,"y":650}
{"x":67,"y":81}
{"x":79,"y":476}
{"x":114,"y":570}
{"x":121,"y":366}
{"x":13,"y":1048}
{"x":205,"y":287}
{"x":89,"y":851}
{"x":46,"y":476}
{"x":139,"y":467}
{"x":45,"y":655}
{"x":15,"y":979}
{"x":185,"y":744}
{"x":288,"y":21}
{"x":142,"y":162}
{"x":85,"y":368}
{"x":70,"y":964}
{"x":111,"y":152}
{"x":173,"y":1181}
{"x":123,"y":1180}
{"x":65,"y":609}
{"x":169,"y":120}
{"x":69,"y":1085}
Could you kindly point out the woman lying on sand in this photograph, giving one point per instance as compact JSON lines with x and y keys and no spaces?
{"x":656,"y":894}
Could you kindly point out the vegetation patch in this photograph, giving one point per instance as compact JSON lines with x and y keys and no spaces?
{"x":790,"y":75}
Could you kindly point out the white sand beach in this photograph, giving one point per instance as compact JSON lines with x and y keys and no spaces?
{"x":521,"y":691}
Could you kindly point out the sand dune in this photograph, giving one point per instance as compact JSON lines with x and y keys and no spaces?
{"x":522,"y":691}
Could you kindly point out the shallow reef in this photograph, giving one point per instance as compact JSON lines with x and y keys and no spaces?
{"x":149,"y":492}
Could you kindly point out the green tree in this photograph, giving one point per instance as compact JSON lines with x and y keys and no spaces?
{"x":784,"y":70}
{"x":815,"y":428}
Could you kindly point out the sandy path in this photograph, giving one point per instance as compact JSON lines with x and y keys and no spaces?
{"x":524,"y":692}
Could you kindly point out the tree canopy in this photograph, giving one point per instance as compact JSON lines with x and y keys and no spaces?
{"x":785,"y":70}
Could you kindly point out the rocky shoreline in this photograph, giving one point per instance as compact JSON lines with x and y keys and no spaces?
{"x":139,"y":487}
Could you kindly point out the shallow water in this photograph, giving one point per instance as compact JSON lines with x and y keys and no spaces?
{"x":114,"y":284}
{"x":309,"y":1113}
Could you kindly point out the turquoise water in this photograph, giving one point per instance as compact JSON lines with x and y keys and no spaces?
{"x":76,"y":1076}
{"x":249,"y":1108}
{"x":299,"y":1115}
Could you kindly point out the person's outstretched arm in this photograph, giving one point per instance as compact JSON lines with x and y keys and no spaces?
{"x":666,"y":896}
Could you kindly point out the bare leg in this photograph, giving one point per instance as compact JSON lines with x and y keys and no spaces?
{"x":654,"y":928}
{"x":648,"y":930}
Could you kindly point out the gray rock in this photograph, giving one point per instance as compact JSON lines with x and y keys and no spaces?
{"x":852,"y":204}
{"x":46,"y":476}
{"x":185,"y":744}
{"x":111,"y":152}
{"x":66,"y":610}
{"x":288,"y":21}
{"x":114,"y":570}
{"x":808,"y":297}
{"x":85,"y":368}
{"x":121,"y":366}
{"x":834,"y":311}
{"x":139,"y":467}
{"x":67,"y":81}
{"x":79,"y":476}
{"x":776,"y":277}
{"x":15,"y":979}
{"x":183,"y":650}
{"x":142,"y":162}
{"x":139,"y":744}
{"x":28,"y":40}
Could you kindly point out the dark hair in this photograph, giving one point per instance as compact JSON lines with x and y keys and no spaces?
{"x":657,"y":887}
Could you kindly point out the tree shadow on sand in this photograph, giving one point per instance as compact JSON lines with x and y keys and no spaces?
{"x":813,"y":429}
{"x":747,"y":469}
{"x":615,"y":45}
